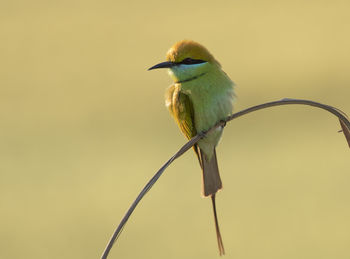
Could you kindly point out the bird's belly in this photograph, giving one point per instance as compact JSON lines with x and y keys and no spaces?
{"x":206,"y":116}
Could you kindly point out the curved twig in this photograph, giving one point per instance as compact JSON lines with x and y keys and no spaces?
{"x":344,"y":122}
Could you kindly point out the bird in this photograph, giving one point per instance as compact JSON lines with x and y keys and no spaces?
{"x":201,"y":95}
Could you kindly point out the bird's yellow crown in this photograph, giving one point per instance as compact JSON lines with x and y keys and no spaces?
{"x":189,"y":49}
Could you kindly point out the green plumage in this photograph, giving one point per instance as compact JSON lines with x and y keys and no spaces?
{"x":201,"y":96}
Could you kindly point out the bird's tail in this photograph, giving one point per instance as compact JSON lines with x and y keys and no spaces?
{"x":218,"y":235}
{"x":211,"y":177}
{"x":211,"y":184}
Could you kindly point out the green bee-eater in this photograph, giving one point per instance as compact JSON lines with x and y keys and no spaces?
{"x":201,"y":96}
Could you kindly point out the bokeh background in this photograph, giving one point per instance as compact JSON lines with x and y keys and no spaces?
{"x":83,"y":127}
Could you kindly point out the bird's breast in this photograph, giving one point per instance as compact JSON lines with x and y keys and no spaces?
{"x":212,"y":101}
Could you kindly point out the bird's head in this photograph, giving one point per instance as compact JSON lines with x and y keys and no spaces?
{"x":188,"y":60}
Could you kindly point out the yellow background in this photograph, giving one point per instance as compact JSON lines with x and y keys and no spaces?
{"x":83,"y":127}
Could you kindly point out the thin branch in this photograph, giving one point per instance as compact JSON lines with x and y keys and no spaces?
{"x":147,"y":187}
{"x":345,"y":124}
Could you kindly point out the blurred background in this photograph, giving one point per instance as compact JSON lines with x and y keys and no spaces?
{"x":83,"y":127}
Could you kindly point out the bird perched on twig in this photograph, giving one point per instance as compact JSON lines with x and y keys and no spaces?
{"x":201,"y":96}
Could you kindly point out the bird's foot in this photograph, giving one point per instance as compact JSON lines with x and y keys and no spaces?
{"x":222,"y":123}
{"x":202,"y":134}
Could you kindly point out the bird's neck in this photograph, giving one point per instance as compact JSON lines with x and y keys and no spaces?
{"x":205,"y":81}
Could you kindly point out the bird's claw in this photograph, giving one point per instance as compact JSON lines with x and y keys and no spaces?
{"x":202,"y":134}
{"x":222,"y":123}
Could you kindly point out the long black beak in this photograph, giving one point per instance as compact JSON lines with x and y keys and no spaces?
{"x":166,"y":64}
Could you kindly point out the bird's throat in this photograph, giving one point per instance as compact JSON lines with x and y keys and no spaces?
{"x":190,"y":79}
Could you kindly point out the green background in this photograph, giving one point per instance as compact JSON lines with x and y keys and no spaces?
{"x":83,"y":127}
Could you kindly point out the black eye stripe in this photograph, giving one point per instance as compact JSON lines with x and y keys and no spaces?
{"x":190,"y":61}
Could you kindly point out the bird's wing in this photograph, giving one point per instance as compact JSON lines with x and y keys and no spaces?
{"x":181,"y":107}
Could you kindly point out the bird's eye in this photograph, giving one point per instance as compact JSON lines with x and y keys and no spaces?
{"x":190,"y":61}
{"x":187,"y":61}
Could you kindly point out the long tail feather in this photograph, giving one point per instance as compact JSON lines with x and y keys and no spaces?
{"x":218,"y":235}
